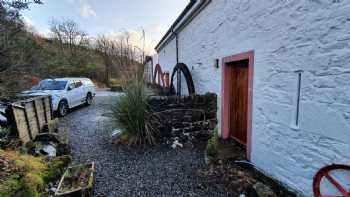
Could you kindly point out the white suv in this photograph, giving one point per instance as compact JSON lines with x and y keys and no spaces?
{"x":66,"y":93}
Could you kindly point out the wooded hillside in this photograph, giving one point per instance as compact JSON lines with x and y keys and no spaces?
{"x":26,"y":57}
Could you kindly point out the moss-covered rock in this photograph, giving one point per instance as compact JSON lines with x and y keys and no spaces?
{"x":27,"y":176}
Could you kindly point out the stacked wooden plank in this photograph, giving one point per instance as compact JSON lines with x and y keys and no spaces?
{"x":30,"y":117}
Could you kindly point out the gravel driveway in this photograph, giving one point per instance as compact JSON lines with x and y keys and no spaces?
{"x":157,"y":171}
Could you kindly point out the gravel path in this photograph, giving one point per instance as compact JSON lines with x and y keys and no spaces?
{"x":157,"y":171}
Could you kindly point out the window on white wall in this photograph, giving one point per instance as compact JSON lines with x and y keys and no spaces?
{"x":296,"y":115}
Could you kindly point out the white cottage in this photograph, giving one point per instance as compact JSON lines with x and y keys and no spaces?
{"x":281,"y":70}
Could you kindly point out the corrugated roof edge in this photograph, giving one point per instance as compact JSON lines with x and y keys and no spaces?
{"x":168,"y":35}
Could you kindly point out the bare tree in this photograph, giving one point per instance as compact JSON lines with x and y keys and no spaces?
{"x":143,"y":40}
{"x":11,"y":25}
{"x":68,"y":33}
{"x":105,"y":47}
{"x":120,"y":53}
{"x":56,"y":33}
{"x":15,"y":6}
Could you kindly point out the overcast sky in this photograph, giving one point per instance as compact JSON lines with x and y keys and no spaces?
{"x":109,"y":16}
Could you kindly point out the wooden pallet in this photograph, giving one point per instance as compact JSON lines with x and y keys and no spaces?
{"x":30,"y":117}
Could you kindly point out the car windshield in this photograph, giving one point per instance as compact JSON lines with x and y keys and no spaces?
{"x":51,"y":85}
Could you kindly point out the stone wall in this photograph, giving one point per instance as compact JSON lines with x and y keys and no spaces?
{"x":194,"y":115}
{"x":158,"y":90}
{"x":286,"y":36}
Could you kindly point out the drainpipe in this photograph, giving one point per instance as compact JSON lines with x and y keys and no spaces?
{"x":177,"y":62}
{"x":151,"y":69}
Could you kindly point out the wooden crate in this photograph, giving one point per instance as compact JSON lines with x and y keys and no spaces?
{"x":83,"y":191}
{"x":29,"y":117}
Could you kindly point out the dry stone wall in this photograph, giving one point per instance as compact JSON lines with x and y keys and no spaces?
{"x":192,"y":115}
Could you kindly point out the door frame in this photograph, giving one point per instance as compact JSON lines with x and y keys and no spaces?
{"x":226,"y":96}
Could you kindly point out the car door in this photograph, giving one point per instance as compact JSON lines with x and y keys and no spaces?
{"x":80,"y":88}
{"x":73,"y":94}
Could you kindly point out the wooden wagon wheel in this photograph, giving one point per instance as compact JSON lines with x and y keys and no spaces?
{"x":158,"y":72}
{"x":326,"y":173}
{"x":188,"y":77}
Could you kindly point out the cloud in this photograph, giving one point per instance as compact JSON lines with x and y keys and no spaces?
{"x":28,"y":22}
{"x":161,"y":29}
{"x":87,"y":11}
{"x":45,"y":33}
{"x":135,"y":39}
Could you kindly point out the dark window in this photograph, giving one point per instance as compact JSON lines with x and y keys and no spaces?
{"x":78,"y":84}
{"x":71,"y":85}
{"x":51,"y":85}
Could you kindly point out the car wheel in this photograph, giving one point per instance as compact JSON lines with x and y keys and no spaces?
{"x":62,"y":108}
{"x":88,"y":100}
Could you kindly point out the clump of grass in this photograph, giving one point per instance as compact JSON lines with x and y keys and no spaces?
{"x":213,"y":143}
{"x":132,"y":116}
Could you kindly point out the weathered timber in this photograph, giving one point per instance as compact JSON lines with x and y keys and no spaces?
{"x":30,"y":117}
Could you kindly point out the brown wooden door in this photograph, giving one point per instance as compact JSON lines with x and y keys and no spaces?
{"x":239,"y":101}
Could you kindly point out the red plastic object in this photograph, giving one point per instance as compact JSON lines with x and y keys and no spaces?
{"x":325,"y":173}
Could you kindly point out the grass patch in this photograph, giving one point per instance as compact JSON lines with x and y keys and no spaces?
{"x":25,"y":175}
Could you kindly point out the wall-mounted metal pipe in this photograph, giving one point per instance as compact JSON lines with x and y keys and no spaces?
{"x":177,"y":46}
{"x":152,"y":69}
{"x":178,"y":84}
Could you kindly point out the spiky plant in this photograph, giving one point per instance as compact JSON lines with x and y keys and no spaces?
{"x":132,"y":116}
{"x":213,"y":143}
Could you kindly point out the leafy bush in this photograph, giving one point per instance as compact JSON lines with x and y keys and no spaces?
{"x":132,"y":116}
{"x":4,"y":132}
{"x":213,"y":143}
{"x":4,"y":136}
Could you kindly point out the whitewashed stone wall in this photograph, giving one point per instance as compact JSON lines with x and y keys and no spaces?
{"x":148,"y":72}
{"x":286,"y":35}
{"x":167,"y":57}
{"x":167,"y":60}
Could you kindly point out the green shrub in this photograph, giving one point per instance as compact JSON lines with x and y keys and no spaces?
{"x":4,"y":136}
{"x":131,"y":115}
{"x":213,"y":143}
{"x":4,"y":132}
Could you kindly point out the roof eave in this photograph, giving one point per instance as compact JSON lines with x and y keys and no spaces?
{"x":184,"y":19}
